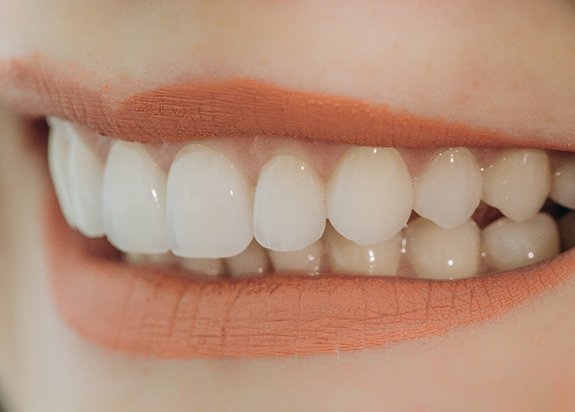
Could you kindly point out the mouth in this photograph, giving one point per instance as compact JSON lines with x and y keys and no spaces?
{"x":289,"y":223}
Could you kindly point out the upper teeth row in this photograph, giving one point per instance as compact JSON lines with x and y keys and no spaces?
{"x":205,"y":206}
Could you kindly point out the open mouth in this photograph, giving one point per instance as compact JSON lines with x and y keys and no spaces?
{"x":329,"y":236}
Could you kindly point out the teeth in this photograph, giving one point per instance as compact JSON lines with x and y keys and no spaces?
{"x":58,"y":149}
{"x":86,"y":170}
{"x":252,"y":261}
{"x":289,"y":205}
{"x":563,"y":188}
{"x":348,"y":257}
{"x":437,"y":253}
{"x":163,"y":259}
{"x":209,"y":205}
{"x":308,"y":260}
{"x":450,"y":189}
{"x":133,"y":198}
{"x":517,"y":183}
{"x":208,"y":267}
{"x":370,"y":195}
{"x":510,"y":244}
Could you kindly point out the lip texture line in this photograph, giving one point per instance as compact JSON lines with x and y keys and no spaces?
{"x":152,"y":312}
{"x":237,"y":107}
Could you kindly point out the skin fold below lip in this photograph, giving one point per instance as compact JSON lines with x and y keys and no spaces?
{"x":155,"y":312}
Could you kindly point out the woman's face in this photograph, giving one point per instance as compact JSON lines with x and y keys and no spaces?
{"x":416,"y":75}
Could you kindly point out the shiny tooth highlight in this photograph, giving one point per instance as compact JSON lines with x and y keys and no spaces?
{"x":86,"y":170}
{"x":251,"y":262}
{"x":449,"y":190}
{"x":134,"y":200}
{"x":58,"y":150}
{"x":210,"y":205}
{"x":346,"y":256}
{"x":438,"y":253}
{"x":563,"y":187}
{"x":509,"y":245}
{"x":309,"y":260}
{"x":289,"y":205}
{"x":518,"y":183}
{"x":370,"y":195}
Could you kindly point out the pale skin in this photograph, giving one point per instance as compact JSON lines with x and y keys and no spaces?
{"x":506,"y":65}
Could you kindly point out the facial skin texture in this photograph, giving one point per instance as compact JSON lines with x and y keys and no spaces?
{"x":507,"y":65}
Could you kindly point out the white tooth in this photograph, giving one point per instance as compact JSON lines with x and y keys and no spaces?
{"x":289,"y":205}
{"x":208,"y":267}
{"x":449,"y":191}
{"x":86,"y":170}
{"x":163,"y":259}
{"x":437,"y":253}
{"x":134,"y":200}
{"x":346,"y":256}
{"x":370,"y":195}
{"x":252,"y":261}
{"x":518,"y":183}
{"x":563,"y":187}
{"x":510,"y":244}
{"x":210,"y":205}
{"x":308,"y":260}
{"x":58,"y":149}
{"x":567,"y":231}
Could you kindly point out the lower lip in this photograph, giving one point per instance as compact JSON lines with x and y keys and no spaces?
{"x":154,"y":312}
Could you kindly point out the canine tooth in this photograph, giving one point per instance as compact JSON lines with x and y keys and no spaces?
{"x":438,"y":253}
{"x":134,"y":200}
{"x":370,"y":195}
{"x":210,"y":205}
{"x":289,"y":205}
{"x":518,"y":183}
{"x":208,"y":267}
{"x":509,"y":244}
{"x":86,"y":170}
{"x":252,"y":261}
{"x":346,"y":256}
{"x":449,"y":190}
{"x":563,"y":187}
{"x":308,"y":260}
{"x":58,"y":150}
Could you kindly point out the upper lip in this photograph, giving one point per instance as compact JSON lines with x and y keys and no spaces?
{"x":257,"y":317}
{"x":238,"y":107}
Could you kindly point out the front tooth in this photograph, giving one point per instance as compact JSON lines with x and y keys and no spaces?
{"x":308,"y":260}
{"x":86,"y":170}
{"x":134,"y":200}
{"x":449,"y":191}
{"x":289,"y":205}
{"x":346,"y":256}
{"x":437,"y":253}
{"x":563,"y":187}
{"x":252,"y":261}
{"x":509,"y":244}
{"x":370,"y":195}
{"x":58,"y":150}
{"x":518,"y":183}
{"x":210,"y":205}
{"x":208,"y":267}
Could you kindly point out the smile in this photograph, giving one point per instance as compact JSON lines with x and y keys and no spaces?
{"x":233,"y":239}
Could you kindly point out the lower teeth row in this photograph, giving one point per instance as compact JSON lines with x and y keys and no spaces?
{"x":208,"y":219}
